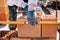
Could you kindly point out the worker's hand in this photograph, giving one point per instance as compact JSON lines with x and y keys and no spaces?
{"x":19,"y":9}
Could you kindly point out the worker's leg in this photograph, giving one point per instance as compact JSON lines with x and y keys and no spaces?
{"x":30,"y":16}
{"x":12,"y":16}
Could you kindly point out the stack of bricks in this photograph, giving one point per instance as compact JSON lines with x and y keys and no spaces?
{"x":36,"y":32}
{"x":3,"y":10}
{"x":49,"y":30}
{"x":51,"y":16}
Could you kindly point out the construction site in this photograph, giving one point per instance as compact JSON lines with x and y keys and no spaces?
{"x":47,"y":15}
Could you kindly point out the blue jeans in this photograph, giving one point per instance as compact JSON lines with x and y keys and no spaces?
{"x":12,"y":16}
{"x":30,"y":16}
{"x":13,"y":13}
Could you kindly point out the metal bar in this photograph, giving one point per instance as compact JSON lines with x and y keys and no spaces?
{"x":56,"y":8}
{"x":24,"y":22}
{"x":41,"y":30}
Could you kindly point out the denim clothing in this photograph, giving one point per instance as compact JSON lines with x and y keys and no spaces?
{"x":30,"y":16}
{"x":12,"y":16}
{"x":13,"y":13}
